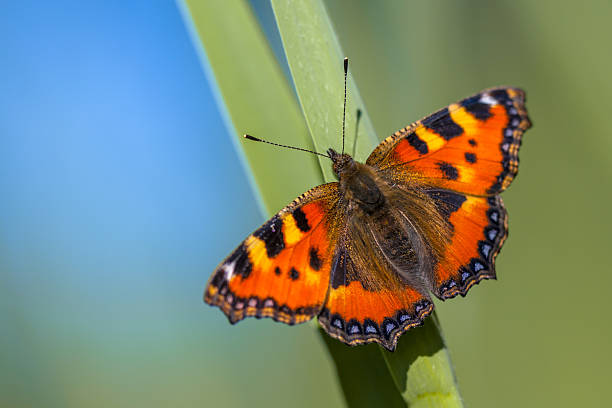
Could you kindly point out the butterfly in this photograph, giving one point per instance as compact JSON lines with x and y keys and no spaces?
{"x":364,"y":254}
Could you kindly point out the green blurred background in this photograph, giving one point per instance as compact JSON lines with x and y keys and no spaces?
{"x":121,"y":191}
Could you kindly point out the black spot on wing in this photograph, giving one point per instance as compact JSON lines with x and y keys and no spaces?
{"x":441,"y":123}
{"x":470,"y":157}
{"x":446,"y":201}
{"x":277,"y":271}
{"x":315,"y":261}
{"x":479,"y":110}
{"x":340,"y":270}
{"x":271,"y":233}
{"x":218,"y":278}
{"x":450,"y":171}
{"x":500,"y":95}
{"x":300,"y":220}
{"x":418,"y":144}
{"x":343,"y":271}
{"x":472,"y":142}
{"x":240,"y":259}
{"x":294,"y":274}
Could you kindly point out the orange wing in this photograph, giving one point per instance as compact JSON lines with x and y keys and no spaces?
{"x":357,"y":314}
{"x":471,"y":146}
{"x":282,"y":270}
{"x":370,"y":297}
{"x":480,"y":227}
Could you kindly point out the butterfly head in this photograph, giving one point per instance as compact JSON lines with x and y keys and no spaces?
{"x":341,"y":162}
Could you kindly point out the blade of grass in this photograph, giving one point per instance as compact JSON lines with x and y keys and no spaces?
{"x":318,"y":81}
{"x":420,"y":370}
{"x":254,"y":98}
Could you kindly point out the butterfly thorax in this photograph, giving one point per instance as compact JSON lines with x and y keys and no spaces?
{"x":357,"y":182}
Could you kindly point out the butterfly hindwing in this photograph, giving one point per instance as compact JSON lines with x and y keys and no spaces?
{"x":479,"y":229}
{"x":282,"y":270}
{"x":356,"y":313}
{"x":378,"y":288}
{"x":470,"y":146}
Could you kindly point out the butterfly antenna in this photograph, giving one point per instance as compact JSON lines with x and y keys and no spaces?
{"x":356,"y":130}
{"x":344,"y":105}
{"x":255,"y":139}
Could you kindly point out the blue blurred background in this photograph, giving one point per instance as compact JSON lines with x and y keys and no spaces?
{"x":120,"y":191}
{"x":113,"y":212}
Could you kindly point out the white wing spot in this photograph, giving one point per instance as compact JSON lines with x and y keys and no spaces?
{"x":229,"y":269}
{"x":488,"y":99}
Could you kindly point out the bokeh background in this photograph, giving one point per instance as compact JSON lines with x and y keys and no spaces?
{"x":120,"y":191}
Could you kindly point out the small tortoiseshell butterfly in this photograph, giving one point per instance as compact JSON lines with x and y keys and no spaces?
{"x":422,"y":215}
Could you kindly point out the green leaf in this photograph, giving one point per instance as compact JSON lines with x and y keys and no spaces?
{"x":316,"y":64}
{"x":255,"y":98}
{"x":421,"y":368}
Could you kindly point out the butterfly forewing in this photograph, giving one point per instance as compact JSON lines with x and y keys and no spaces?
{"x":471,"y":146}
{"x":282,"y":270}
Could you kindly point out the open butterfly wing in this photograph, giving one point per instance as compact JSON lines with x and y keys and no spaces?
{"x":369,"y":299}
{"x":282,"y":270}
{"x":470,"y":147}
{"x":466,"y":153}
{"x":479,"y":229}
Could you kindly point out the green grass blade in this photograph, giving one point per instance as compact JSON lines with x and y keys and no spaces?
{"x":420,"y":370}
{"x":364,"y":376}
{"x":248,"y":78}
{"x":315,"y":60}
